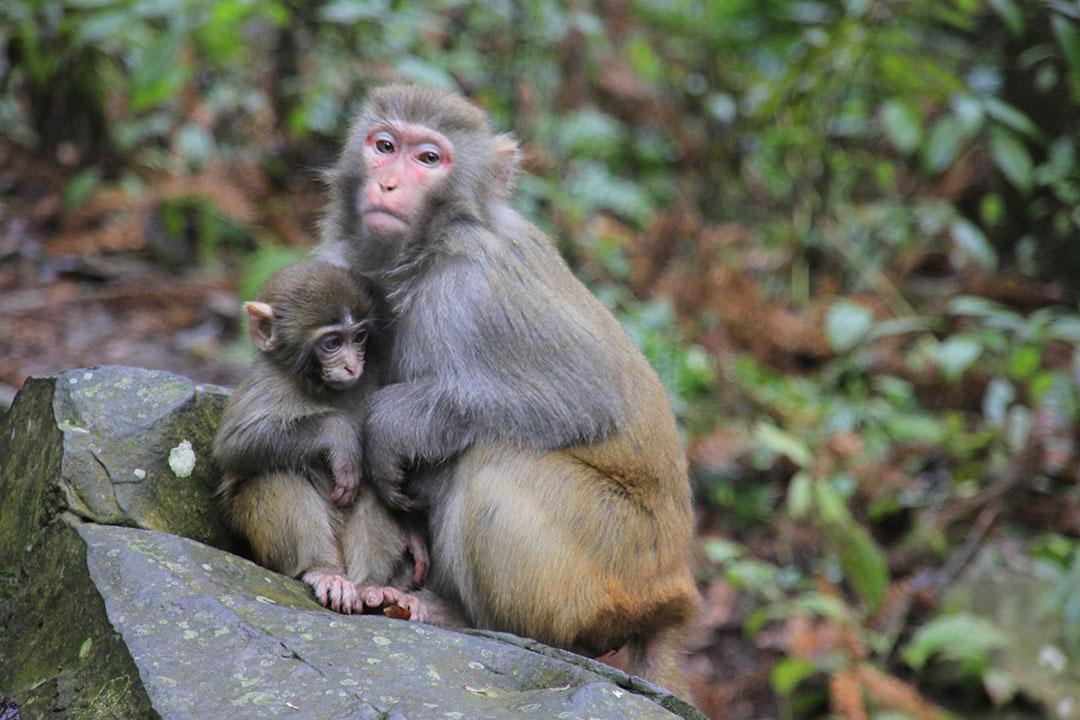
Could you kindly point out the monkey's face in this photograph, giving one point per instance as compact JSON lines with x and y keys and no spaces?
{"x":404,"y":164}
{"x":340,"y":353}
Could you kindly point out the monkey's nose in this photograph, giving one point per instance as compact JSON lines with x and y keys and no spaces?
{"x":387,"y":185}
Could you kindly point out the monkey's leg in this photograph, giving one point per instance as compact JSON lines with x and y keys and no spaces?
{"x":542,"y":545}
{"x":372,"y":541}
{"x":291,"y":528}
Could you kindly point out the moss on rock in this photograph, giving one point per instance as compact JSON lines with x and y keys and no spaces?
{"x":95,"y":442}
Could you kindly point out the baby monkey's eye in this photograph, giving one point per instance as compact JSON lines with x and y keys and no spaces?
{"x":384,"y":146}
{"x":330,"y":343}
{"x":360,"y":337}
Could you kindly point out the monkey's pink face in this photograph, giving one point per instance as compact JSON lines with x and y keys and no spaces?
{"x":403,"y":162}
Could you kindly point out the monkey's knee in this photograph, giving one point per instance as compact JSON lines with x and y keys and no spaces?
{"x":287,"y":523}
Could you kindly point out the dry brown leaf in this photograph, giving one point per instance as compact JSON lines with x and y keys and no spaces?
{"x":894,"y":693}
{"x":845,"y":695}
{"x":397,"y":612}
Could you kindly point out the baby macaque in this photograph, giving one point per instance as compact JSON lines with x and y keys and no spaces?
{"x":290,"y":447}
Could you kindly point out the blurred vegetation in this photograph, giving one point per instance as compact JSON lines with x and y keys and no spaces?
{"x":847,"y":234}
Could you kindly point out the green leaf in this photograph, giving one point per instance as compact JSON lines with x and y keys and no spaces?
{"x":1011,"y":14}
{"x":946,"y":139}
{"x":349,"y":12}
{"x":902,"y":125}
{"x":262,"y":264}
{"x":966,"y":638}
{"x":970,"y":111}
{"x":830,"y":506}
{"x":789,"y":672}
{"x":721,"y":552}
{"x":1068,"y":36}
{"x":1066,"y":329}
{"x":421,"y":71}
{"x":999,"y":395}
{"x":1008,"y":115}
{"x":1024,"y":362}
{"x":955,"y":355}
{"x":800,"y":495}
{"x":863,"y":561}
{"x":971,"y":241}
{"x":79,"y":188}
{"x":846,"y":324}
{"x":644,"y":60}
{"x":899,"y":326}
{"x":783,"y":443}
{"x":158,"y":77}
{"x":1012,"y":158}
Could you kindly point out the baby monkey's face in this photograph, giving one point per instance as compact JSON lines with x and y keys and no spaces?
{"x":340,"y":350}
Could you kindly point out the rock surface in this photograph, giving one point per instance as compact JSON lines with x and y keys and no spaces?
{"x":1024,"y":601}
{"x":96,"y":443}
{"x":113,"y":619}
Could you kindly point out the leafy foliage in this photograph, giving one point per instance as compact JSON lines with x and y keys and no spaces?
{"x":843,"y":233}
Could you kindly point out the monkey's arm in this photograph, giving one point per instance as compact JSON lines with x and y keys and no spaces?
{"x":488,"y":356}
{"x":253,"y":445}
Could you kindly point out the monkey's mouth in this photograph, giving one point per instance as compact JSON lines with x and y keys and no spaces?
{"x":379,"y":210}
{"x":340,"y":383}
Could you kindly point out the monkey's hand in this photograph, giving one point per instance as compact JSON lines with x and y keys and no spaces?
{"x":343,"y":453}
{"x":346,"y":480}
{"x":413,"y":543}
{"x":391,"y":600}
{"x":384,"y":470}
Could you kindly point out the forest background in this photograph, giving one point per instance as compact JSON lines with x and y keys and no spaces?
{"x":846,"y":234}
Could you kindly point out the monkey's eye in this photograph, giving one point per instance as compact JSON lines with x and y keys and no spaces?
{"x":384,"y":145}
{"x":429,"y":158}
{"x":330,"y":343}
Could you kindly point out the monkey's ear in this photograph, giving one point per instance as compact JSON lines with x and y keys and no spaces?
{"x":505,"y":166}
{"x":261,"y":325}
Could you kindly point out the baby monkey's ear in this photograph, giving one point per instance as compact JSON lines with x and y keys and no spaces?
{"x":261,"y":325}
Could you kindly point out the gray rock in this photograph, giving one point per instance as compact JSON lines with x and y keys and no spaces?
{"x":1024,"y":601}
{"x":128,"y":604}
{"x":96,"y":443}
{"x":139,"y":623}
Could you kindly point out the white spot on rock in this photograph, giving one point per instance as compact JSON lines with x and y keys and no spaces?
{"x":1053,"y":658}
{"x":139,"y":473}
{"x":182,"y":459}
{"x":87,"y":375}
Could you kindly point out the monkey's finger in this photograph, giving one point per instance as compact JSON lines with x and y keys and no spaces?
{"x":348,"y":598}
{"x":373,"y":597}
{"x":420,"y":562}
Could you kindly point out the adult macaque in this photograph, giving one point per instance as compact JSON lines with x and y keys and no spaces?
{"x":534,"y":430}
{"x":290,"y":446}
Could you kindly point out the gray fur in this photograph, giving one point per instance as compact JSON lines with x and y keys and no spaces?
{"x":494,"y":338}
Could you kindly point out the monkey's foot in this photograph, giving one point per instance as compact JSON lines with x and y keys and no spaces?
{"x":393,"y":602}
{"x":333,"y":591}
